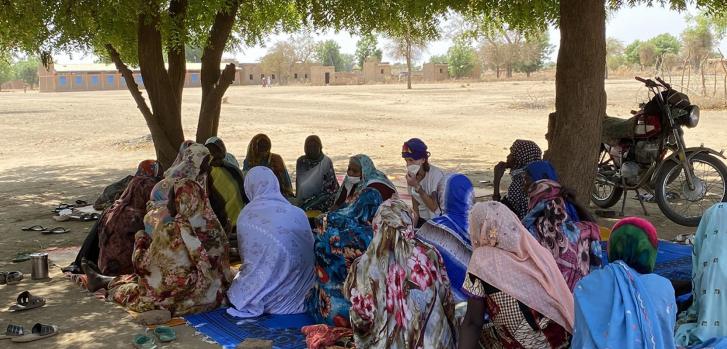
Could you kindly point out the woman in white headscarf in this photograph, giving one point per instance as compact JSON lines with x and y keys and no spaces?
{"x":276,"y":245}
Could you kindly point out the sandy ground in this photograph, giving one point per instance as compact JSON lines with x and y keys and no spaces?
{"x":60,"y":147}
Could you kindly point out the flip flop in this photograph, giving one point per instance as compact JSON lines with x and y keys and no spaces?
{"x":39,"y":331}
{"x":13,"y":277}
{"x":90,"y":217}
{"x":60,"y":218}
{"x":80,"y":203}
{"x":21,"y":257}
{"x":165,"y":334}
{"x":13,"y":331}
{"x":33,"y":228}
{"x":27,"y":301}
{"x":142,"y":341}
{"x":56,"y":230}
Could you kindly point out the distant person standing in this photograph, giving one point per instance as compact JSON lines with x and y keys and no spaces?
{"x":422,"y":180}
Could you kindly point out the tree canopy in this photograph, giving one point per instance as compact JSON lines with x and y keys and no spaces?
{"x":367,"y":47}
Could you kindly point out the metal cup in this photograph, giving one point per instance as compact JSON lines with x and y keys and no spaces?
{"x":39,"y":266}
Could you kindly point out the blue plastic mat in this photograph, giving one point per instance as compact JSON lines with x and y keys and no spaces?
{"x":673,"y":261}
{"x":229,"y":331}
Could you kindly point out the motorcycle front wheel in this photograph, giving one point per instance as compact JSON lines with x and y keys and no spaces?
{"x":605,"y":193}
{"x":685,"y":206}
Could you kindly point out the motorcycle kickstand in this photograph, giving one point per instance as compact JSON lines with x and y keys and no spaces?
{"x":641,"y":201}
{"x":623,"y":201}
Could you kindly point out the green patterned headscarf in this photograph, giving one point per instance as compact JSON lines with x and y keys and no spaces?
{"x":634,"y":241}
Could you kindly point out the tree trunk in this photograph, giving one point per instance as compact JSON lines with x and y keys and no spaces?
{"x":215,"y":82}
{"x":704,"y":84}
{"x":606,"y":71}
{"x":408,"y":64}
{"x":497,"y":71}
{"x":580,"y":98}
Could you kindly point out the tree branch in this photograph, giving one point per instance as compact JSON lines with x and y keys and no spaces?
{"x":176,"y":50}
{"x":130,"y":84}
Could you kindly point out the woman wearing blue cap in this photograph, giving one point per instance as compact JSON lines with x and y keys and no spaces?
{"x":422,"y":180}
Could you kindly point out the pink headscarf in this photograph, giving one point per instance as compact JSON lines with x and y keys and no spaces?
{"x":507,"y":257}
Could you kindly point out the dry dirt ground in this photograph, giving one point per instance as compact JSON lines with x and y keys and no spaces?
{"x":60,"y":147}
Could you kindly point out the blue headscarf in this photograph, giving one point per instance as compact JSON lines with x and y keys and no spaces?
{"x":616,"y":307}
{"x":543,"y":169}
{"x":455,"y":201}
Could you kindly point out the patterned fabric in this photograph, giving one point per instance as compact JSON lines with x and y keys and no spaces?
{"x":540,"y":170}
{"x":399,"y":290}
{"x":343,"y":236}
{"x":511,"y":328}
{"x":449,"y":232}
{"x":634,"y":241}
{"x":369,"y":176}
{"x":184,"y":266}
{"x":315,"y":182}
{"x":118,"y":225}
{"x":575,"y":246}
{"x":149,"y":168}
{"x":258,"y":154}
{"x":276,"y":246}
{"x":507,"y":257}
{"x":522,"y":154}
{"x":616,"y":307}
{"x":188,"y":164}
{"x":707,"y":316}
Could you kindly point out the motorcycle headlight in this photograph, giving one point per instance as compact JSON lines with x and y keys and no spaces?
{"x":693,"y":118}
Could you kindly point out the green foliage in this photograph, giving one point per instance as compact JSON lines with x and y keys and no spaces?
{"x":193,"y":54}
{"x":533,"y":53}
{"x":665,"y":43}
{"x":6,"y":69}
{"x":27,"y":70}
{"x":698,"y":39}
{"x":631,"y":53}
{"x":329,"y":53}
{"x":614,"y":54}
{"x":366,"y":47}
{"x":461,"y":58}
{"x":347,"y":62}
{"x":444,"y":59}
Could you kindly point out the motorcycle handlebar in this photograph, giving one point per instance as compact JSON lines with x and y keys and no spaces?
{"x":663,"y":83}
{"x":647,"y":82}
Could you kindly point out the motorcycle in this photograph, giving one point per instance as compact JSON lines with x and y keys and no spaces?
{"x":648,"y":152}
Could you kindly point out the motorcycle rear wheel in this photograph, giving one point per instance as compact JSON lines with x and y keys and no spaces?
{"x":604,"y":194}
{"x":683,"y":206}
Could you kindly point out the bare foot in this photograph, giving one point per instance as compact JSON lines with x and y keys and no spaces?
{"x":96,"y":281}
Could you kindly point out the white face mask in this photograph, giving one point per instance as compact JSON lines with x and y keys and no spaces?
{"x":350,"y":181}
{"x":412,"y":170}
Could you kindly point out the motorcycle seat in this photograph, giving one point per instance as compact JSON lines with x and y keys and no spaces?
{"x":615,"y":129}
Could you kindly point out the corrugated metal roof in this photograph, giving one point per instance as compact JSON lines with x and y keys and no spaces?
{"x":100,"y":67}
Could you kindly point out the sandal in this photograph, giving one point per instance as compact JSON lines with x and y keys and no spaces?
{"x":56,"y":230}
{"x":89,"y":217}
{"x":62,"y":207}
{"x":21,"y":257}
{"x":27,"y":301}
{"x":81,"y":203}
{"x":13,"y":331}
{"x":39,"y":331}
{"x":165,"y":334}
{"x":33,"y":228}
{"x":142,"y":341}
{"x":13,"y":277}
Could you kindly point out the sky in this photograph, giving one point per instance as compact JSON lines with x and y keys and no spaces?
{"x":627,"y":25}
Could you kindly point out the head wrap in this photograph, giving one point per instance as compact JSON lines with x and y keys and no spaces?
{"x":414,"y":149}
{"x":634,"y":241}
{"x":541,"y":169}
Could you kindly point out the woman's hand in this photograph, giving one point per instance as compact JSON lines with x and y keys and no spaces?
{"x":412,"y":181}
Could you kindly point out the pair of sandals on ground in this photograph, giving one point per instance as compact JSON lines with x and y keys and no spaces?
{"x":17,"y":333}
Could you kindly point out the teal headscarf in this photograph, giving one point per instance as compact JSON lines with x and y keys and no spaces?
{"x":369,"y":175}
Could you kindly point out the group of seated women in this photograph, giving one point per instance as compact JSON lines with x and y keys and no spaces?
{"x":528,"y":265}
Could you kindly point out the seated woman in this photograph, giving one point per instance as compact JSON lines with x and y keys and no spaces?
{"x":560,"y":225}
{"x":522,"y":153}
{"x":315,"y":179}
{"x":344,"y":236}
{"x":516,"y":281}
{"x":182,"y":267}
{"x":228,"y":157}
{"x":225,"y":185}
{"x":276,"y":245}
{"x":422,"y":180}
{"x":191,"y":163}
{"x":119,"y":223}
{"x":399,"y":290}
{"x":258,"y":154}
{"x":362,"y":174}
{"x":449,"y":232}
{"x":706,"y":318}
{"x":624,"y":305}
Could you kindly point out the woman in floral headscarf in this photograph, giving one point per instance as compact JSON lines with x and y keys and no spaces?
{"x":399,"y":289}
{"x":517,"y":282}
{"x":182,"y":267}
{"x":624,"y":305}
{"x":522,"y":153}
{"x":560,"y":225}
